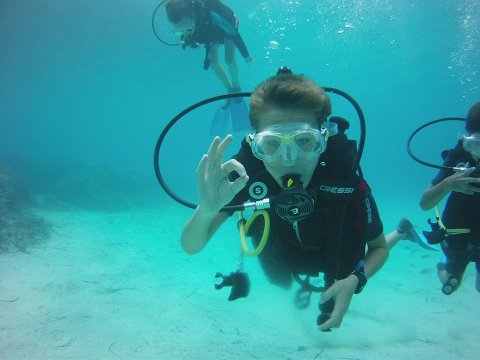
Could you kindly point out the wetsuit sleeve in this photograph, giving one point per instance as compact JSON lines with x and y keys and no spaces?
{"x":373,"y":223}
{"x":240,"y":44}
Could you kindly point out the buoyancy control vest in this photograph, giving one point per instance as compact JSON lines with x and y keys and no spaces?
{"x":329,"y":241}
{"x":214,"y":21}
{"x":461,"y":210}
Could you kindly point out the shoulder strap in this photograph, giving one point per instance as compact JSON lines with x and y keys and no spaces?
{"x":336,"y":179}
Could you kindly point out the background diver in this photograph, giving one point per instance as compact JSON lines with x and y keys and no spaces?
{"x":459,"y":235}
{"x":211,"y":23}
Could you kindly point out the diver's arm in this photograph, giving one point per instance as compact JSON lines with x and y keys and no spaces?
{"x":377,"y":247}
{"x":341,"y":292}
{"x":433,"y":195}
{"x":459,"y":182}
{"x":242,"y":48}
{"x":377,"y":254}
{"x":215,"y":190}
{"x":199,"y":229}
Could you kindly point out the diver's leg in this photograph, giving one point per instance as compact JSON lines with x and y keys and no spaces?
{"x":231,"y":63}
{"x":442,"y":273}
{"x":218,"y":68}
{"x":403,"y":231}
{"x":394,"y":237}
{"x":451,"y":273}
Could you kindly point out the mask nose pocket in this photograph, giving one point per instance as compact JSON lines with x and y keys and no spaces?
{"x":289,"y":152}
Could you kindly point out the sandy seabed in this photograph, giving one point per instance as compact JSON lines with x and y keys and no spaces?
{"x":118,"y":286}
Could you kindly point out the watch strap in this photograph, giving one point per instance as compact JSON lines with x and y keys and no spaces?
{"x":362,"y":280}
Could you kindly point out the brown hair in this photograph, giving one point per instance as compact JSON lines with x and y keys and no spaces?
{"x":473,"y":119}
{"x":177,"y":10}
{"x":289,"y":92}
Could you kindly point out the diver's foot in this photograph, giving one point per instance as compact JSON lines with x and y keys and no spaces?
{"x":405,"y":228}
{"x":449,"y":282}
{"x":450,"y":285}
{"x":408,"y":232}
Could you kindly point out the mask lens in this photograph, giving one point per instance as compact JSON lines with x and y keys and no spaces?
{"x":472,"y":144}
{"x":308,"y":141}
{"x":268,"y":146}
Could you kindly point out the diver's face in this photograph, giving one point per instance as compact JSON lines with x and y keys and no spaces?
{"x":184,"y":27}
{"x":289,"y":122}
{"x":471,"y":144}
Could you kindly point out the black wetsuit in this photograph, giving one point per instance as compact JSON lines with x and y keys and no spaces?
{"x":314,"y":246}
{"x":461,"y":211}
{"x":215,"y":22}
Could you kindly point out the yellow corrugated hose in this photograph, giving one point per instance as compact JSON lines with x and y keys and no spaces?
{"x":243,"y":227}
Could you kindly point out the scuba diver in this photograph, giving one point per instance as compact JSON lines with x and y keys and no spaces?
{"x":211,"y":23}
{"x":458,"y":229}
{"x":300,"y":167}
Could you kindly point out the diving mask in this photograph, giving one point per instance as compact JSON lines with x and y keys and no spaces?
{"x":288,"y":142}
{"x":471,"y":144}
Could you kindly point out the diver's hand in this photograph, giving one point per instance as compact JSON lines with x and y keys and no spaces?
{"x":341,"y":292}
{"x":462,"y":182}
{"x":249,"y":59}
{"x":214,"y":188}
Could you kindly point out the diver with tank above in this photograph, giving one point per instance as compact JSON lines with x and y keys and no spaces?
{"x":213,"y":24}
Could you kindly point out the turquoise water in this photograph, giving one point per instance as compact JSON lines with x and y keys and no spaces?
{"x":86,"y":89}
{"x":89,"y":82}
